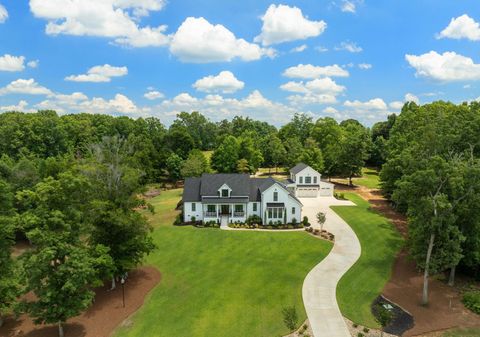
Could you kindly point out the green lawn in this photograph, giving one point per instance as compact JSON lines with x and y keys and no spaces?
{"x":222,"y":283}
{"x":369,"y":179}
{"x":472,"y":332}
{"x":365,"y":280}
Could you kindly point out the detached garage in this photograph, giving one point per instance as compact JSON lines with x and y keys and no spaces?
{"x":307,"y":192}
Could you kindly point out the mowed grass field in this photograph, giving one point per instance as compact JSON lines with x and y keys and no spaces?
{"x":219,"y":283}
{"x":369,"y":178}
{"x":380,"y":244}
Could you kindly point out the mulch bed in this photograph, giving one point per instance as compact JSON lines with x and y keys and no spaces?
{"x":404,"y":288}
{"x":101,"y":319}
{"x":401,"y":321}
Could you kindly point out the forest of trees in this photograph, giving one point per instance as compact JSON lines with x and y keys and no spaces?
{"x":69,"y":185}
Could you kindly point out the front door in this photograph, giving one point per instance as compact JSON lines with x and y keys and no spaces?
{"x":225,"y":210}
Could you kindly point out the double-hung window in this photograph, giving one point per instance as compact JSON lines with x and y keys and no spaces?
{"x":315,"y":179}
{"x":254,"y":206}
{"x":301,"y":180}
{"x":275,"y":196}
{"x":308,"y":180}
{"x":293,"y":210}
{"x":194,"y":207}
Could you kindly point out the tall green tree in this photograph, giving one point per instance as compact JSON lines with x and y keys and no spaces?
{"x":115,"y":223}
{"x":9,"y":282}
{"x":329,"y":137}
{"x":195,"y":164}
{"x":249,"y":151}
{"x":354,"y":150}
{"x":300,"y":127}
{"x":61,"y":268}
{"x":174,"y":167}
{"x":312,"y":155}
{"x":294,"y":152}
{"x":273,"y":151}
{"x":225,"y":157}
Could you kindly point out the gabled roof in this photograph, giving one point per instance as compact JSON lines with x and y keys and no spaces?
{"x":191,"y":191}
{"x":238,"y":183}
{"x":298,"y":168}
{"x":241,"y":184}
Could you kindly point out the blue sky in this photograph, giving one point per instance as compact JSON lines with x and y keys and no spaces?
{"x":341,"y":58}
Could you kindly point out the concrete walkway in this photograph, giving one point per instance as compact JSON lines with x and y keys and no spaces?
{"x":319,"y":287}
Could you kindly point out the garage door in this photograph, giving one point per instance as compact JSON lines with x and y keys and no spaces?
{"x":326,"y":191}
{"x":307,"y":192}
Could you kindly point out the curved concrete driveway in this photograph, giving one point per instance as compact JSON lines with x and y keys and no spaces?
{"x":319,"y":287}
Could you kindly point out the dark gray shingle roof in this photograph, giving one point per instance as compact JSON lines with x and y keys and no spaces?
{"x":211,"y":183}
{"x":298,"y":168}
{"x":191,"y":190}
{"x":241,"y":185}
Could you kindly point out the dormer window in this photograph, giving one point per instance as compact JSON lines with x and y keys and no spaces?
{"x":224,"y":193}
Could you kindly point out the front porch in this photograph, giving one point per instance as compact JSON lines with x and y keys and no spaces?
{"x":233,"y":212}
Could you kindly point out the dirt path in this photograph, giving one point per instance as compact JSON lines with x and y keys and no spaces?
{"x":104,"y":315}
{"x":405,"y":286}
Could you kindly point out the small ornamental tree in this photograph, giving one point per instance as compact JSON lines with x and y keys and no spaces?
{"x":290,"y":317}
{"x":321,"y":218}
{"x":383,"y":317}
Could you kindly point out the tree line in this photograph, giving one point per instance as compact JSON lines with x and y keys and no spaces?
{"x":79,"y":216}
{"x":432,"y":174}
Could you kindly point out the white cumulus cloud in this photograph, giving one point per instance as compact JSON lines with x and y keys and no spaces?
{"x":284,"y":23}
{"x":412,"y":98}
{"x":199,"y":41}
{"x":308,"y":71}
{"x":114,"y":19}
{"x":103,"y":73}
{"x":299,"y":49}
{"x":12,"y":63}
{"x":3,"y":14}
{"x":365,"y":66}
{"x":462,"y":27}
{"x":446,"y":67}
{"x":317,"y":91}
{"x":225,"y":82}
{"x":33,"y":63}
{"x":153,"y":95}
{"x":351,"y":47}
{"x":26,"y":87}
{"x":79,"y":102}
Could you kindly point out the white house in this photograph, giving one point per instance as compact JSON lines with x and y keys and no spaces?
{"x":235,"y":197}
{"x":305,"y":182}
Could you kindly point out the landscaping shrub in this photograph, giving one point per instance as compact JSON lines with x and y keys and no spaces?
{"x":294,"y":221}
{"x":355,"y":325}
{"x":366,"y":330}
{"x":290,"y":317}
{"x":178,"y":220}
{"x":254,"y":219}
{"x":471,"y":299}
{"x":193,"y":219}
{"x":305,"y":222}
{"x":360,"y":334}
{"x":290,"y":226}
{"x":340,"y":196}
